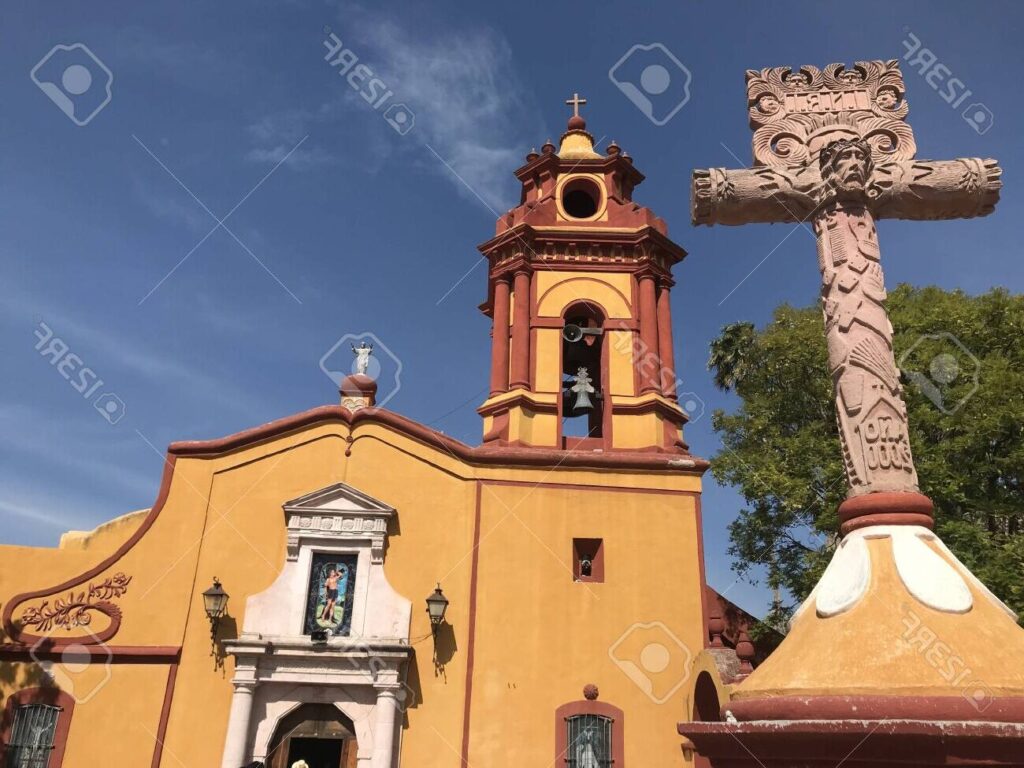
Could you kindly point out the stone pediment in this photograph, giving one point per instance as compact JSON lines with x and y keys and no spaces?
{"x":337,"y":499}
{"x":337,"y":512}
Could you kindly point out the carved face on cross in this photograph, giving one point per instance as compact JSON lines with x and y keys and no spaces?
{"x":768,"y":104}
{"x":846,"y":166}
{"x":887,"y":98}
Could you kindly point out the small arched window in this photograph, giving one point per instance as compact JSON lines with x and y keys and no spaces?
{"x":589,"y":741}
{"x":589,"y":734}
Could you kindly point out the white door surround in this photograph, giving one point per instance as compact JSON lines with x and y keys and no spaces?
{"x":278,"y":667}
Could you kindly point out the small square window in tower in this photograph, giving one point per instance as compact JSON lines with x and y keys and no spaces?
{"x":588,"y":560}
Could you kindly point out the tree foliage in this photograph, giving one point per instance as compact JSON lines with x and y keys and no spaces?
{"x":962,"y":364}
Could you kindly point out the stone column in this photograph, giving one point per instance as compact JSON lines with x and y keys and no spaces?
{"x":384,"y":728}
{"x":521,"y":332}
{"x":237,"y":741}
{"x":667,"y":374}
{"x":647,"y":350}
{"x":500,"y":341}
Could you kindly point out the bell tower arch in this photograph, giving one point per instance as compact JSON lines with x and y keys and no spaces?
{"x":579,"y":281}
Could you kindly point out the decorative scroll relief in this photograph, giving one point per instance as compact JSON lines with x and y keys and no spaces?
{"x":76,"y":610}
{"x":795,"y":114}
{"x":896,"y":189}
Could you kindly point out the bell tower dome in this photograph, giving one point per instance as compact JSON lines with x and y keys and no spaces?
{"x":578,"y":291}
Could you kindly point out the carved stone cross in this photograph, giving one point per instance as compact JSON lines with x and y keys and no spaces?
{"x":832,"y":145}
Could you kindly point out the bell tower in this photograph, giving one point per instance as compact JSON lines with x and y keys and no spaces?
{"x":579,"y":279}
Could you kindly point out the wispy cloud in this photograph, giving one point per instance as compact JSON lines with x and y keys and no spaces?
{"x":461,"y":83}
{"x":274,"y":136}
{"x":463,"y":86}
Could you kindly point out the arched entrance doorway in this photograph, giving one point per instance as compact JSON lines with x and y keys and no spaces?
{"x":320,"y":734}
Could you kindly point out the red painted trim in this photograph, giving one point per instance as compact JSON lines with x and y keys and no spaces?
{"x":885,"y":508}
{"x":586,"y":707}
{"x":105,"y":654}
{"x":533,"y":241}
{"x":165,"y":714}
{"x":547,"y":322}
{"x":471,"y":631}
{"x":520,"y":365}
{"x":53,"y":697}
{"x":861,"y":743}
{"x":1010,"y":710}
{"x":649,"y":333}
{"x":500,"y":338}
{"x":900,"y":518}
{"x":665,"y":350}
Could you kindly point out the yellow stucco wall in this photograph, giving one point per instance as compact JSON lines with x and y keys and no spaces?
{"x":558,"y":289}
{"x":538,"y":636}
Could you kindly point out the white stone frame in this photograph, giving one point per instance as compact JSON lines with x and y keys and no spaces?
{"x":278,"y":668}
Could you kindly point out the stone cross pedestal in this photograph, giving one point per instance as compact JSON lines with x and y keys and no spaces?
{"x":832,"y":146}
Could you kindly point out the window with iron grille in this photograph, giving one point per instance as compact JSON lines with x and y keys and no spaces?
{"x":589,"y":741}
{"x":32,"y":736}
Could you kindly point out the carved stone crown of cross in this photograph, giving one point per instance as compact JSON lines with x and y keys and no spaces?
{"x":833,"y":146}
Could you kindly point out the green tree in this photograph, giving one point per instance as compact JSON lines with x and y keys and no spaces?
{"x":962,"y":363}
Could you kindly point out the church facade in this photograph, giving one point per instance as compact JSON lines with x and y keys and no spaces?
{"x":347,"y":587}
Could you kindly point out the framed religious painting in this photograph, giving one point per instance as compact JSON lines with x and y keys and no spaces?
{"x":332,"y":581}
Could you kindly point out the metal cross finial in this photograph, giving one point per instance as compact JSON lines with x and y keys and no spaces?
{"x":575,"y":102}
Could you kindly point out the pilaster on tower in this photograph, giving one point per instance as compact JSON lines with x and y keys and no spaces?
{"x":579,"y":281}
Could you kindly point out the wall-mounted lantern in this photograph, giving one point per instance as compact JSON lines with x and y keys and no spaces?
{"x":437,"y":604}
{"x":215,"y":602}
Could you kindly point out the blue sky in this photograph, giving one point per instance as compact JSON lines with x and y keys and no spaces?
{"x":340,"y":224}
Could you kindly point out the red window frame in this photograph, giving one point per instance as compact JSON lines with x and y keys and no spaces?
{"x":587,"y":707}
{"x":53,"y":697}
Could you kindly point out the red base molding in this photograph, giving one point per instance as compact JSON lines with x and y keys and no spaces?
{"x":885,"y":508}
{"x":933,"y":708}
{"x":867,"y":743}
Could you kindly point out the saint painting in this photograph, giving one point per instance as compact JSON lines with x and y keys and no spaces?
{"x":331,"y":586}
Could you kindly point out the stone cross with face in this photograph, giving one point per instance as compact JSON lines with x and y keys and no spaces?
{"x":832,"y":146}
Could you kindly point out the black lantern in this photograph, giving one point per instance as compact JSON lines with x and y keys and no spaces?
{"x":437,"y":604}
{"x":215,"y":602}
